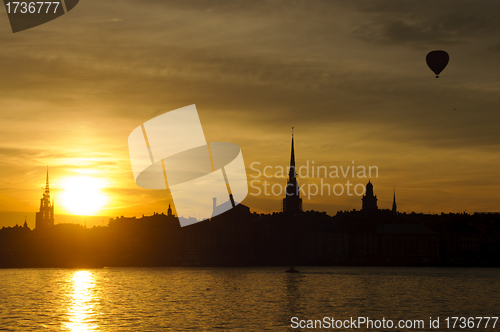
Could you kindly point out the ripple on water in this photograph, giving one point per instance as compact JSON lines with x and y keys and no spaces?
{"x":236,"y":299}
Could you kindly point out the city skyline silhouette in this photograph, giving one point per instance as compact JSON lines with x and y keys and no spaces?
{"x":353,"y":92}
{"x":370,"y":235}
{"x":290,"y":184}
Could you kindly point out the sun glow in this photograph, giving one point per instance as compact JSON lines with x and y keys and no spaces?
{"x":82,"y":195}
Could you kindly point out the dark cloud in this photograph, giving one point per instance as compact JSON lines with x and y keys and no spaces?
{"x":428,"y":23}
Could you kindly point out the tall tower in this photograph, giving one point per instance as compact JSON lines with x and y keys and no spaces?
{"x":292,"y":203}
{"x":394,"y":206}
{"x":45,"y":217}
{"x":369,"y":199}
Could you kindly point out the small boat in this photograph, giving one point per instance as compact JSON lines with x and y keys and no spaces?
{"x":291,"y":270}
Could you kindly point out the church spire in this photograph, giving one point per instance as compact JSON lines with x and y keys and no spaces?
{"x":369,"y":198}
{"x":292,"y":156}
{"x":292,"y":203}
{"x":45,"y":217}
{"x":169,"y":211}
{"x":292,"y":173}
{"x":394,"y":206}
{"x":47,"y":182}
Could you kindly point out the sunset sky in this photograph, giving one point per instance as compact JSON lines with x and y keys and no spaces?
{"x":350,"y":76}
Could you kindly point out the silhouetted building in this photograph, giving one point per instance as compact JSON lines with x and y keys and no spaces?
{"x":237,"y":237}
{"x":407,"y":244}
{"x":369,"y":199}
{"x":45,"y":217}
{"x":394,"y":206}
{"x":292,"y":203}
{"x":226,"y":206}
{"x":169,"y":211}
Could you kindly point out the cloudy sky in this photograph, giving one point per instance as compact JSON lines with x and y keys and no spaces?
{"x":350,"y":76}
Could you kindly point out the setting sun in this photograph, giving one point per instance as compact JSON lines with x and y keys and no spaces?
{"x":82,"y":195}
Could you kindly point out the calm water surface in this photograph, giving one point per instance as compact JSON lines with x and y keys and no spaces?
{"x":238,"y":299}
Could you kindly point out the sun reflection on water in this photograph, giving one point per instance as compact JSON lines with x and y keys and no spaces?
{"x":81,"y":309}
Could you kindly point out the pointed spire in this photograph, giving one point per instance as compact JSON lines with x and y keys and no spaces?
{"x":47,"y":182}
{"x":292,"y":203}
{"x":292,"y":156}
{"x":394,"y":206}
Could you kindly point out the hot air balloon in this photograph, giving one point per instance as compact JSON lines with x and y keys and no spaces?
{"x":437,"y":61}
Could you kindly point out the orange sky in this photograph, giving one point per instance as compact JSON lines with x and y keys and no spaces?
{"x":351,"y":78}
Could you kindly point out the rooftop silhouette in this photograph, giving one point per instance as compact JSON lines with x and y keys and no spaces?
{"x":238,"y":237}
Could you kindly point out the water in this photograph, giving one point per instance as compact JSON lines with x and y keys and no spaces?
{"x":239,"y":299}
